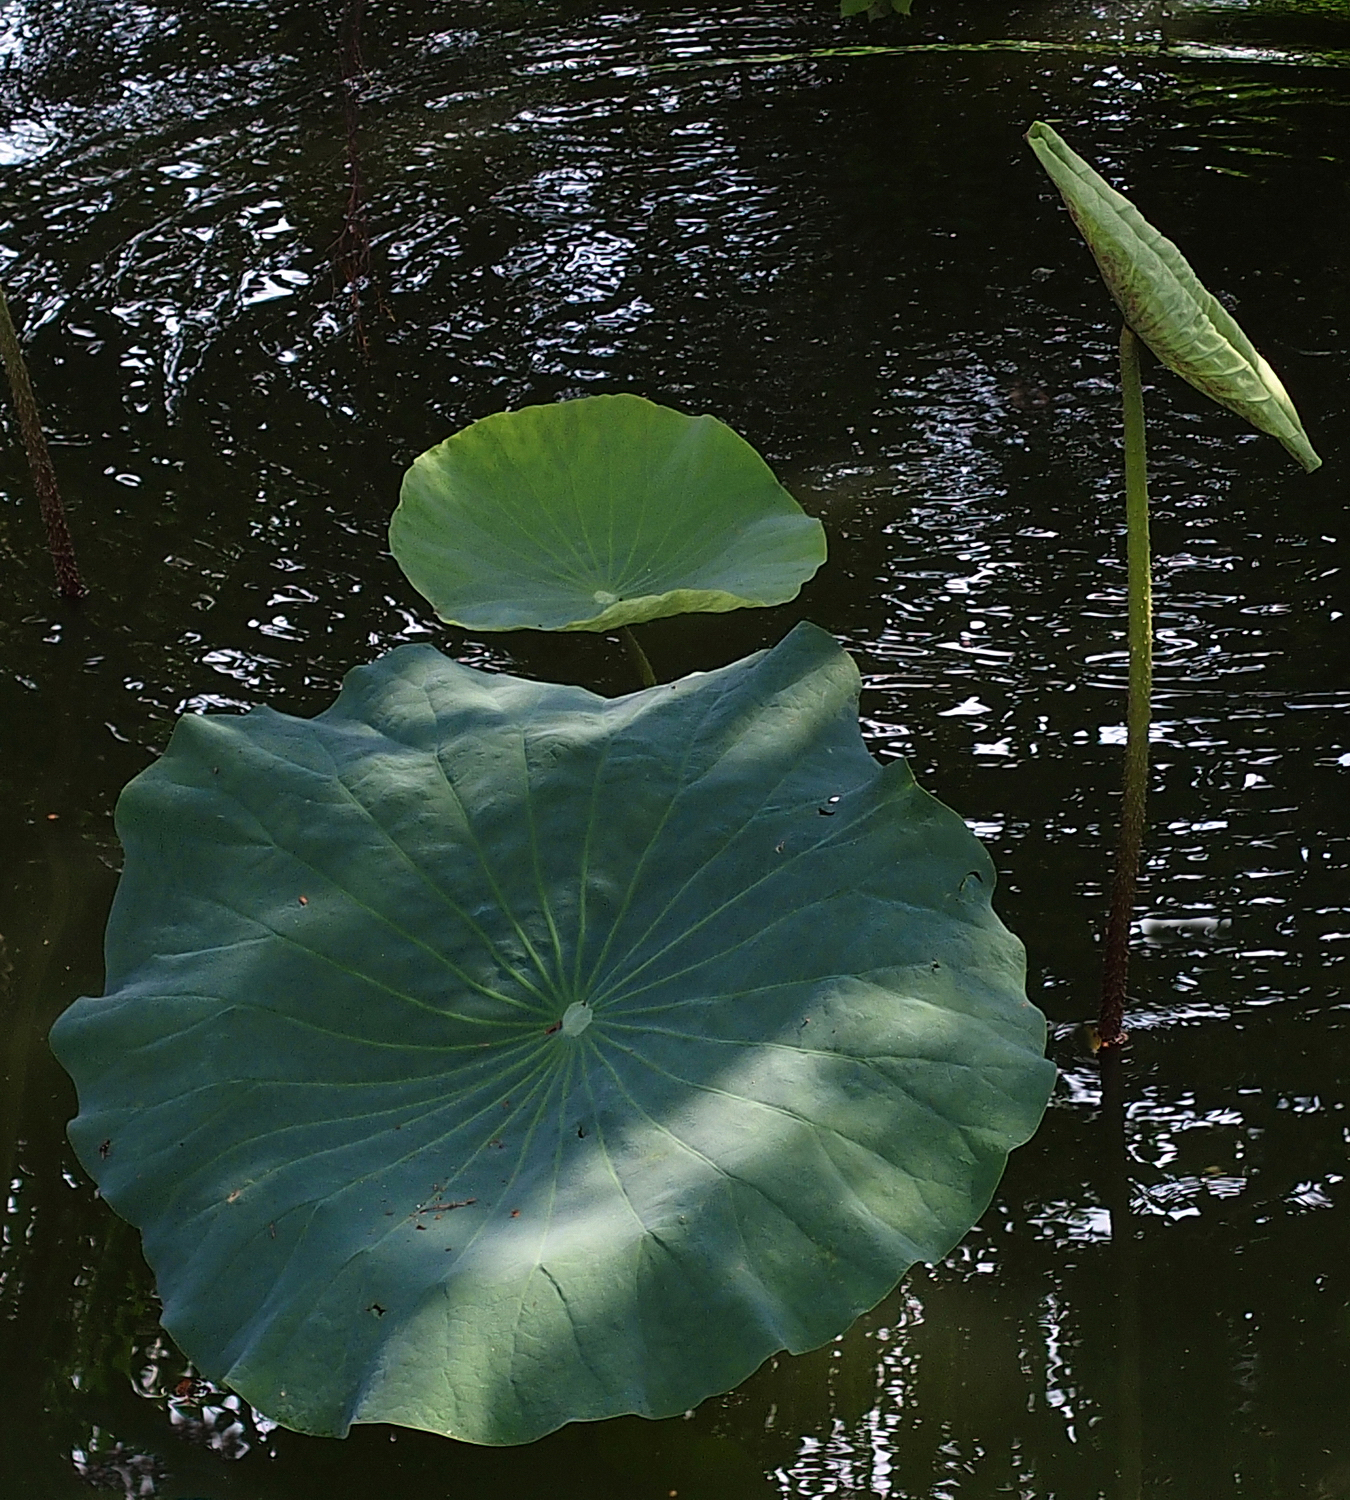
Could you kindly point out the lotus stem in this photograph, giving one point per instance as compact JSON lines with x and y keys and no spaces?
{"x":637,"y":656}
{"x":62,"y":549}
{"x":1110,"y":1021}
{"x":353,"y":269}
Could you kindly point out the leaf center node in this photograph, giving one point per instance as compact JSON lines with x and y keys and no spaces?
{"x":576,"y":1018}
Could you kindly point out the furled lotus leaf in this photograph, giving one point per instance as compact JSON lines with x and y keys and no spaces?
{"x":591,"y":514}
{"x":483,"y":1055}
{"x":1163,"y":301}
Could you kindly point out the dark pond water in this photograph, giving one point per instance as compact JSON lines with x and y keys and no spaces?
{"x":854,"y":261}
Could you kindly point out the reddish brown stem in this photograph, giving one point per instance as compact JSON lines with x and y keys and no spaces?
{"x":62,"y":549}
{"x":351,"y":252}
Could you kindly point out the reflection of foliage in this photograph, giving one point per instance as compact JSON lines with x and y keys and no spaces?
{"x":208,"y":1417}
{"x":875,"y":8}
{"x":105,"y":1464}
{"x":114,"y":1314}
{"x":115,"y":1342}
{"x":1337,"y":8}
{"x":115,"y":1338}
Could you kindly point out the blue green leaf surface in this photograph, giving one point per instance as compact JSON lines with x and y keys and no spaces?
{"x":483,"y":1055}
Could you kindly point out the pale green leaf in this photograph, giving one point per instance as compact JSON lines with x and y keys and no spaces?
{"x":591,"y":514}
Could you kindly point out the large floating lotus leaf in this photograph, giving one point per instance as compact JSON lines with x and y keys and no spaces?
{"x":591,"y":514}
{"x":483,"y":1055}
{"x":1163,"y":301}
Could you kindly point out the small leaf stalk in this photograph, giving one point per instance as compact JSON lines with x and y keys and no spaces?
{"x":637,"y":656}
{"x":1115,"y":968}
{"x":68,"y":580}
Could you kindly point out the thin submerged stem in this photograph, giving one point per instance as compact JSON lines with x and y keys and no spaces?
{"x":637,"y":656}
{"x":59,"y":544}
{"x":1110,"y":1021}
{"x":353,"y":267}
{"x":1127,"y":1438}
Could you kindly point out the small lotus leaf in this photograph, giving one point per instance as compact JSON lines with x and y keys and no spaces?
{"x":483,"y":1055}
{"x":1163,"y":301}
{"x":597,"y":513}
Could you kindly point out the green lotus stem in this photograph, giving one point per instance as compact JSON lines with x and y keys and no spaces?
{"x":62,"y":549}
{"x":1110,"y":1028}
{"x":637,"y":656}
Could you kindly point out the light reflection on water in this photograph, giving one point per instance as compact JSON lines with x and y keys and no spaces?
{"x":852,"y":263}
